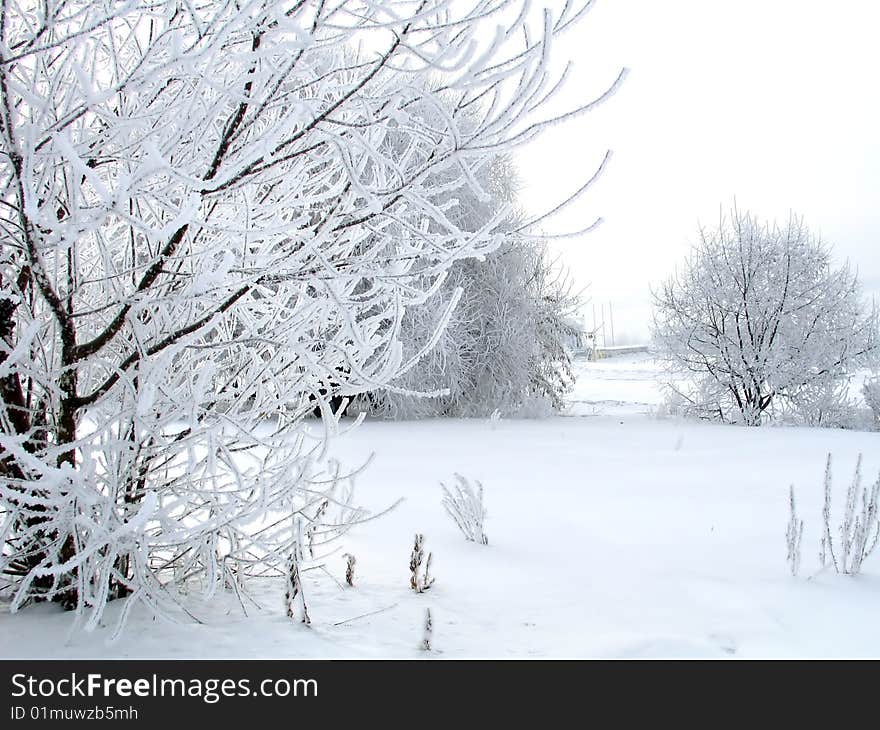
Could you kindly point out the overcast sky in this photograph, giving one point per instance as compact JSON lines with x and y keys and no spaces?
{"x":775,"y":102}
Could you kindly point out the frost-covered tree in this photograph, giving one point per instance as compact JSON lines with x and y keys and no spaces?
{"x":757,"y":319}
{"x":212,"y":213}
{"x":503,"y":349}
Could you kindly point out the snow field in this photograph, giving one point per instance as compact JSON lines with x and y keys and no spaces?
{"x":612,"y":533}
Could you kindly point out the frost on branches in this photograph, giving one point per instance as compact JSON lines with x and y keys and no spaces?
{"x":503,"y":350}
{"x":214,"y":214}
{"x":757,"y":322}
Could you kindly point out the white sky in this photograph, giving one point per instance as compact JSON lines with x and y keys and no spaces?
{"x":775,"y":102}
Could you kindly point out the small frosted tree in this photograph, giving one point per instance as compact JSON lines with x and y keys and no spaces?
{"x":757,"y":320}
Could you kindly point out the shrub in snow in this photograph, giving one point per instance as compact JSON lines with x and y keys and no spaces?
{"x":219,"y":222}
{"x":464,"y":504}
{"x":871,"y":393}
{"x":420,"y":578}
{"x":756,"y":319}
{"x":858,"y":531}
{"x":672,"y":404}
{"x":350,"y":562}
{"x":793,"y":535}
{"x":823,"y":403}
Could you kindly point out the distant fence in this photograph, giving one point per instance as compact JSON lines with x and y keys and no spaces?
{"x":600,"y":353}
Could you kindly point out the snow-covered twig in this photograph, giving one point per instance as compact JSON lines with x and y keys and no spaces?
{"x":294,"y":597}
{"x":427,"y":631}
{"x":793,"y":535}
{"x":366,"y":615}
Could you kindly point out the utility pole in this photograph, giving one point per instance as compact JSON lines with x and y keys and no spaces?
{"x":593,"y":338}
{"x":611,"y":318}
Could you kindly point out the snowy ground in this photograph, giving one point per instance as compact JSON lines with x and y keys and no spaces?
{"x":612,"y":534}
